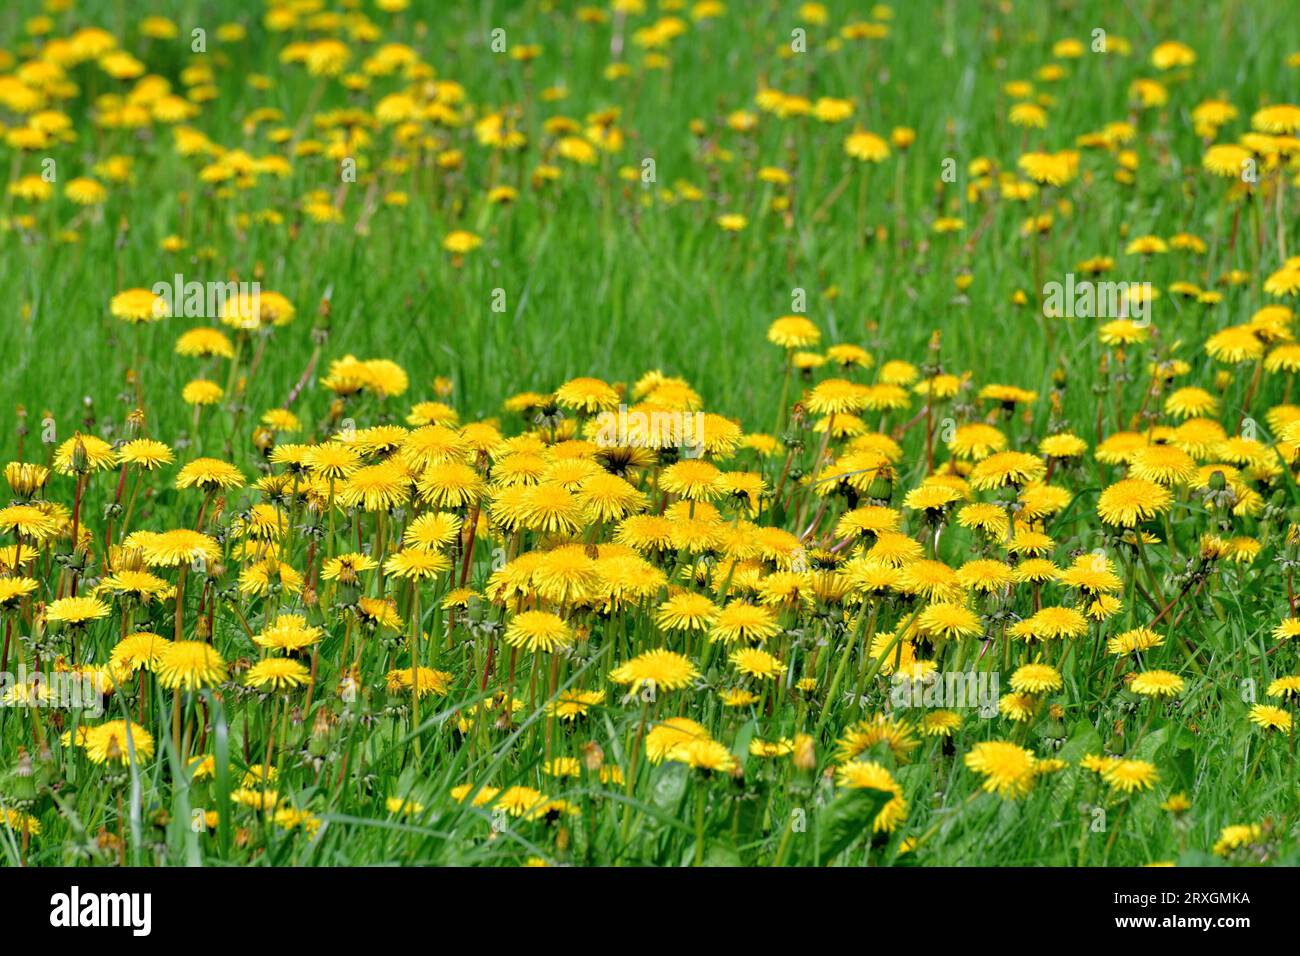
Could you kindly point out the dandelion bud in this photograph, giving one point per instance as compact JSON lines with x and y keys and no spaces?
{"x":80,"y":461}
{"x":318,"y":744}
{"x":23,"y":788}
{"x":125,"y":559}
{"x":108,"y":842}
{"x":347,"y":689}
{"x":593,"y":757}
{"x":26,"y":479}
{"x":347,"y":590}
{"x":881,"y":487}
{"x":263,"y":440}
{"x":805,"y":754}
{"x":47,"y":767}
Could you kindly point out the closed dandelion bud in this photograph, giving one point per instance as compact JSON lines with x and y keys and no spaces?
{"x":309,"y":597}
{"x":1222,"y":381}
{"x":22,"y":786}
{"x":108,"y":842}
{"x":346,"y":592}
{"x":135,"y":422}
{"x":805,"y":754}
{"x":47,"y":767}
{"x":318,"y":744}
{"x":1217,"y":481}
{"x":201,"y":628}
{"x":881,"y":487}
{"x":347,"y":689}
{"x":263,"y":440}
{"x":80,"y":461}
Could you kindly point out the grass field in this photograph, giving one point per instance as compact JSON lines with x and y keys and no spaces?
{"x":378,"y":563}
